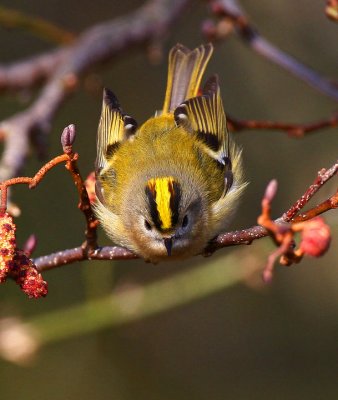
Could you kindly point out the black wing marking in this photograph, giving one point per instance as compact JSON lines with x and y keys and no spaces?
{"x":204,"y":116}
{"x":114,"y":128}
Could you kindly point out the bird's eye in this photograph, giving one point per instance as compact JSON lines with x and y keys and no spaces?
{"x":185,"y":221}
{"x":147,"y":225}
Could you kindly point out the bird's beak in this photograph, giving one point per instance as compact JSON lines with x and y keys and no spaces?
{"x":168,"y":242}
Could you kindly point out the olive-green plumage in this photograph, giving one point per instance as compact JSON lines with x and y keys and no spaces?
{"x":168,"y":187}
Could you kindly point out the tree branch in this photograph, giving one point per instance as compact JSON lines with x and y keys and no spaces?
{"x":294,"y":130}
{"x":125,"y":305}
{"x":315,"y":236}
{"x":245,"y":236}
{"x":231,"y":10}
{"x":64,"y":66}
{"x":93,"y":46}
{"x":27,"y":73}
{"x":324,"y":175}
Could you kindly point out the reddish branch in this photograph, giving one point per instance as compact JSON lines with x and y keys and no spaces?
{"x":323,"y":176}
{"x":70,"y":159}
{"x":295,"y":130}
{"x":315,"y":236}
{"x":31,"y":182}
{"x":326,"y":205}
{"x":67,"y":140}
{"x":69,"y":256}
{"x":90,"y":250}
{"x":245,"y":236}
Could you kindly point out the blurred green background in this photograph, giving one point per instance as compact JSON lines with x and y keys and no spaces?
{"x":247,"y":341}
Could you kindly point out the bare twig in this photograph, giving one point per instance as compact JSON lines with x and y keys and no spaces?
{"x":245,"y":236}
{"x":316,"y":236}
{"x":294,"y":130}
{"x":69,"y":158}
{"x":64,"y":257}
{"x":281,"y":234}
{"x":31,"y":182}
{"x":231,"y":10}
{"x":326,"y":205}
{"x":29,"y":72}
{"x":323,"y":176}
{"x":63,"y":68}
{"x":67,"y":140}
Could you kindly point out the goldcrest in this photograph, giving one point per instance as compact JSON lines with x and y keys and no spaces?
{"x":168,"y":187}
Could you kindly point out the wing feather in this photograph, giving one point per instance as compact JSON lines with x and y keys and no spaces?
{"x":204,"y":116}
{"x":111,"y":129}
{"x":114,"y":128}
{"x":185,"y":71}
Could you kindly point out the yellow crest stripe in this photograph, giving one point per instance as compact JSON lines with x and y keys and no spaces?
{"x":163,"y":189}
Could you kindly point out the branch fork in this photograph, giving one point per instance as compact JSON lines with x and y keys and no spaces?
{"x":315,"y":234}
{"x":15,"y":263}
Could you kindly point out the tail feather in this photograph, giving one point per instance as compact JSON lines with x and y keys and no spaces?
{"x":186,"y":68}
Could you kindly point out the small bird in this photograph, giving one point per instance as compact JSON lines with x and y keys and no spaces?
{"x":168,"y":187}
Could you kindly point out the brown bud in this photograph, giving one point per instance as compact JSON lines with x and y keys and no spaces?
{"x":68,"y":138}
{"x":271,"y":190}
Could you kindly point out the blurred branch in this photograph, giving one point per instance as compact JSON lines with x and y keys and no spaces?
{"x":92,"y":47}
{"x":137,"y":302}
{"x":27,"y":73}
{"x":294,"y":130}
{"x":232,"y":11}
{"x":63,"y":67}
{"x":16,"y":19}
